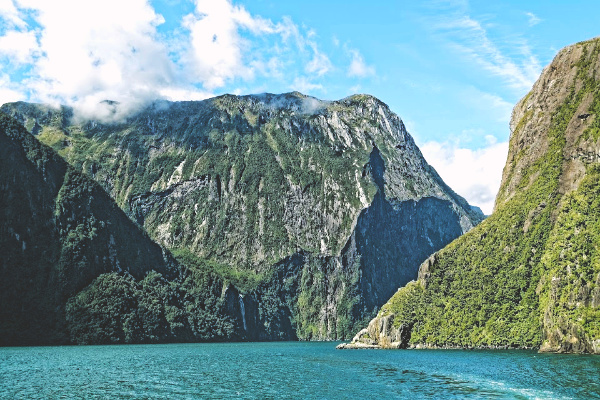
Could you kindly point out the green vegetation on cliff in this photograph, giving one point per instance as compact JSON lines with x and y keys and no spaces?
{"x":76,"y":269}
{"x":529,"y":275}
{"x":116,"y":308}
{"x":312,"y":211}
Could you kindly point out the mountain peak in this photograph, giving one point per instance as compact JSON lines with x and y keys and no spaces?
{"x":525,"y":277}
{"x":276,"y":188}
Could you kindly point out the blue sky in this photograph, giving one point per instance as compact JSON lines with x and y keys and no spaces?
{"x":452,"y":70}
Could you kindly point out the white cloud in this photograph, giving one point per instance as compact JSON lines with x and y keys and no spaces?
{"x":304,"y":85}
{"x":10,"y":14}
{"x":274,"y":67}
{"x":474,"y":174}
{"x":358,"y":68}
{"x":221,"y":50}
{"x":532,"y":19}
{"x":89,"y":52}
{"x":217,"y":48}
{"x":320,"y":64}
{"x":470,"y":37}
{"x":80,"y":53}
{"x":19,"y":46}
{"x":9,"y":95}
{"x":8,"y":92}
{"x":182,"y":94}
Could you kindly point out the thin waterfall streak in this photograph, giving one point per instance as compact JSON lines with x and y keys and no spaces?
{"x":243,"y":310}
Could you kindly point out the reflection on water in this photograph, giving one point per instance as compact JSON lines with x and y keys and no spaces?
{"x":290,"y":370}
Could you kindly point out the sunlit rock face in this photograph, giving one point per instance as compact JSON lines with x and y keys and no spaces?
{"x":319,"y":209}
{"x":528,"y":276}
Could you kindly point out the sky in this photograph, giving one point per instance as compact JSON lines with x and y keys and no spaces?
{"x":451,"y":69}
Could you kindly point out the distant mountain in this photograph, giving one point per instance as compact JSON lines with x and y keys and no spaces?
{"x":76,"y":269}
{"x":314,"y":210}
{"x":529,"y":275}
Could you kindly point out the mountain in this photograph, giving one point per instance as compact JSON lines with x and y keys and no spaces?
{"x":314,"y":210}
{"x":76,"y":269}
{"x":529,"y":275}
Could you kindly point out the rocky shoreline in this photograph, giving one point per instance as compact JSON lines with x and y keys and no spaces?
{"x":381,"y":334}
{"x":424,"y":346}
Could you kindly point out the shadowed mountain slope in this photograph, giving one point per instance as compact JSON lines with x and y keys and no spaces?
{"x":334,"y":195}
{"x":529,"y":275}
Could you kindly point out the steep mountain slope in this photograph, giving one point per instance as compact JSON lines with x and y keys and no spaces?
{"x":333,"y":196}
{"x":76,"y":269}
{"x":529,"y":275}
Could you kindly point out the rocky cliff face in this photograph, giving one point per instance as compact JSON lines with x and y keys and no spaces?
{"x":529,"y":275}
{"x":76,"y":269}
{"x":334,"y":194}
{"x":59,"y":231}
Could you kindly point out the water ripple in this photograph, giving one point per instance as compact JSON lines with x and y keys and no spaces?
{"x":290,"y":371}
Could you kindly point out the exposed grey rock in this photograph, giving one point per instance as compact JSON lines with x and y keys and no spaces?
{"x":254,"y":182}
{"x":380,"y":334}
{"x":528,"y":276}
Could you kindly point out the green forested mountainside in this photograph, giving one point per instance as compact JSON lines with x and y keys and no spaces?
{"x":314,"y":210}
{"x":529,"y":275}
{"x":242,"y":160}
{"x":117,"y":308}
{"x":76,"y":269}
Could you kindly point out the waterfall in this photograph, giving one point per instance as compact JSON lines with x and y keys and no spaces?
{"x":243,"y":310}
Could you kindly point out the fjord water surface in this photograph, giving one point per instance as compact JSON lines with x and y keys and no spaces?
{"x":290,"y":370}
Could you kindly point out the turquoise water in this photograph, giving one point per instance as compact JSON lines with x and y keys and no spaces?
{"x":290,"y":370}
